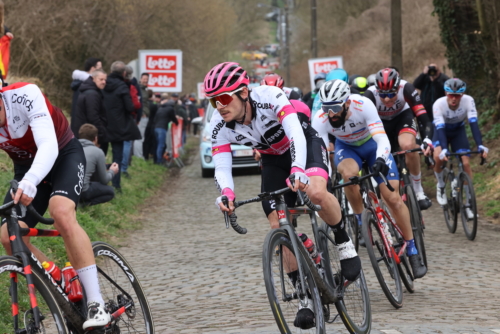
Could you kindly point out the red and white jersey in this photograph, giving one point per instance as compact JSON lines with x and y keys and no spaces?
{"x":32,"y":123}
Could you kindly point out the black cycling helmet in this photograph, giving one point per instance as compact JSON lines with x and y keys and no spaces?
{"x":295,"y":94}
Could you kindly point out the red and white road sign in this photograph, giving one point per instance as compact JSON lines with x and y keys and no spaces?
{"x":164,"y":68}
{"x":325,"y":65}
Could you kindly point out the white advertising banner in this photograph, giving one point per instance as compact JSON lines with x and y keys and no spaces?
{"x":164,"y":68}
{"x":201,"y":91}
{"x":318,"y":65}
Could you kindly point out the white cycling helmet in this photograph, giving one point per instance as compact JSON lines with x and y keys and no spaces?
{"x":334,"y":90}
{"x":371,"y":80}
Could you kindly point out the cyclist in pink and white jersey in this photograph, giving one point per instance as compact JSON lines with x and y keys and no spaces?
{"x":263,"y":118}
{"x":49,"y":164}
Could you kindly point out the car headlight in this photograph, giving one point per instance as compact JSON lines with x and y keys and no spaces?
{"x":208,"y":159}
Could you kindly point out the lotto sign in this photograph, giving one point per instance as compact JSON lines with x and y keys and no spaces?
{"x":164,"y":68}
{"x":324,"y":65}
{"x":201,"y":91}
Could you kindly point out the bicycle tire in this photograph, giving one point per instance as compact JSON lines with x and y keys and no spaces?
{"x":470,"y":226}
{"x":450,"y":209}
{"x":45,"y":298}
{"x":387,"y":272}
{"x":112,"y":266}
{"x":354,"y":307}
{"x":279,"y":285}
{"x":416,"y":222}
{"x":404,"y":267}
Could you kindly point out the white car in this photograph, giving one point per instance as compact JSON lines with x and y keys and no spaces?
{"x":242,"y":155}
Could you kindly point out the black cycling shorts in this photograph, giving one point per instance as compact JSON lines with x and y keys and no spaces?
{"x":276,"y":168}
{"x":404,"y":122}
{"x":64,"y":179}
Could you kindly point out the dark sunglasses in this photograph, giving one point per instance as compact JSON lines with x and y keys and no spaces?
{"x":334,"y":107}
{"x":389,"y":95}
{"x":224,"y":99}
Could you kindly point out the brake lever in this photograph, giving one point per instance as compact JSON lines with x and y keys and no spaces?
{"x":225,"y":201}
{"x":386,"y":182}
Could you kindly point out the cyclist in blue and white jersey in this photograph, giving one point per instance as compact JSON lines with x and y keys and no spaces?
{"x":450,"y":112}
{"x":360,"y":134}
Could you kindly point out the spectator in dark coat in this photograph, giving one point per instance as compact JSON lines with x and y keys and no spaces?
{"x":180,"y":111}
{"x":164,"y":115}
{"x":91,"y":64}
{"x":149,"y":143}
{"x":119,"y":108}
{"x":431,"y":85}
{"x":90,"y":107}
{"x":193,"y":112}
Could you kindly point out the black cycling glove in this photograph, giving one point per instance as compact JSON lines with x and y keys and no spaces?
{"x":380,"y":166}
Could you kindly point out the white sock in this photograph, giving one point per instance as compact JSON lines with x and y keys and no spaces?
{"x":440,"y":178}
{"x":416,"y":180}
{"x":90,"y":281}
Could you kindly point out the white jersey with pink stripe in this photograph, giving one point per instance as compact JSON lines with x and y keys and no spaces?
{"x":274,"y":129}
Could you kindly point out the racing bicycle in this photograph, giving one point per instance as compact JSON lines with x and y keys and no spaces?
{"x":38,"y":304}
{"x":323,"y":283}
{"x":460,"y":196}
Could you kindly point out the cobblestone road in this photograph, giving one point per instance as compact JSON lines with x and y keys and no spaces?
{"x":202,"y":278}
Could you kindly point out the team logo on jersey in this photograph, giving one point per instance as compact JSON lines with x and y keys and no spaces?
{"x":358,"y":102}
{"x":23,"y":100}
{"x":217,"y":128}
{"x":281,"y":115}
{"x":16,"y":119}
{"x":277,"y":96}
{"x":263,"y":117}
{"x":262,"y":105}
{"x":215,"y":150}
{"x":269,"y":124}
{"x":240,"y":137}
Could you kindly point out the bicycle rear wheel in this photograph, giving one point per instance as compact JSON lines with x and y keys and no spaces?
{"x":467,"y":192}
{"x":416,"y":222}
{"x":450,"y":209}
{"x":384,"y":265}
{"x":278,"y":256}
{"x":354,"y":307}
{"x":120,"y":287}
{"x":53,"y":317}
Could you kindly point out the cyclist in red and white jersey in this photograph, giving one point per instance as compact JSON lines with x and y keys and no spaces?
{"x":49,"y":164}
{"x":263,"y":118}
{"x":398,"y":103}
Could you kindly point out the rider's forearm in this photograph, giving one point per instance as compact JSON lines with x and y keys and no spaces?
{"x":476,"y":133}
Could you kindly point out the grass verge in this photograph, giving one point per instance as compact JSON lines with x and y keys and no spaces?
{"x":109,"y":222}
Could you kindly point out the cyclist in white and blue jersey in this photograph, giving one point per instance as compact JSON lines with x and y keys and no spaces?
{"x":450,"y":112}
{"x":360,"y":136}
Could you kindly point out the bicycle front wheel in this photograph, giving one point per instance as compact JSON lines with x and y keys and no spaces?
{"x":450,"y":209}
{"x":383,"y":263}
{"x":467,"y":200}
{"x":416,"y":222}
{"x":278,"y":259}
{"x":121,"y":287}
{"x":52,"y":315}
{"x":354,"y":307}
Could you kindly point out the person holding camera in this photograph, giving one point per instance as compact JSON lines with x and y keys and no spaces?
{"x":431,"y":84}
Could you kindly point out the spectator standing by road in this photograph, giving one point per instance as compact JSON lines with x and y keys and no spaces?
{"x":119,"y":108}
{"x":164,"y":115}
{"x":431,"y":85}
{"x":180,"y":111}
{"x":149,"y":144}
{"x":136,"y":101}
{"x":90,"y":107}
{"x":91,"y":64}
{"x":143,"y":86}
{"x":193,"y":112}
{"x":95,"y":189}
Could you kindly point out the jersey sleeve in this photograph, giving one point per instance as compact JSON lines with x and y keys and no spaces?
{"x":221,"y":153}
{"x":320,"y":124}
{"x":377,"y":131}
{"x":439,"y":124}
{"x":287,"y":116}
{"x":413,"y":99}
{"x":44,"y":134}
{"x":474,"y":126}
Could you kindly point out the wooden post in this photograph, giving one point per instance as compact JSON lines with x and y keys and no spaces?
{"x":396,"y":36}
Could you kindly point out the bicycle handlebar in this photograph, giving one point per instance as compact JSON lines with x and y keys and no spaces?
{"x":231,"y":219}
{"x":7,"y":206}
{"x":358,"y":179}
{"x":459,"y":154}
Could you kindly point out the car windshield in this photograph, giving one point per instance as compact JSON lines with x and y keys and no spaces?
{"x":210,"y":112}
